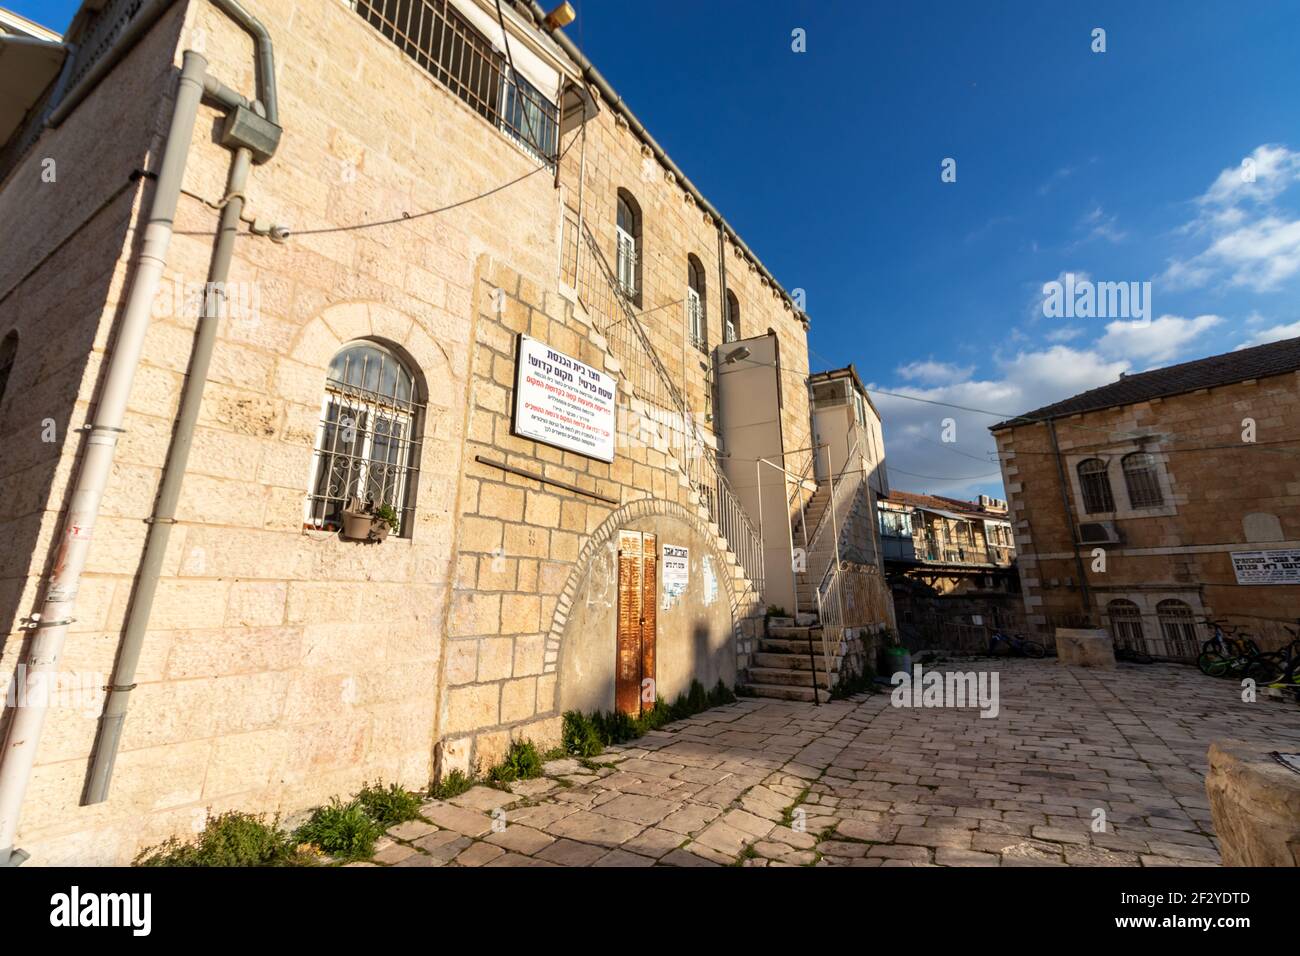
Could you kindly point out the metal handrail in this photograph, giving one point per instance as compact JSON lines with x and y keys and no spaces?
{"x":648,"y":379}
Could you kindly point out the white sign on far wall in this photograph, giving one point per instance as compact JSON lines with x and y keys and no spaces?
{"x":1267,"y":567}
{"x":562,"y":402}
{"x":677,"y":569}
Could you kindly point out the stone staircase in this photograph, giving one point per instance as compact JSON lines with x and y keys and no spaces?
{"x":781,"y":668}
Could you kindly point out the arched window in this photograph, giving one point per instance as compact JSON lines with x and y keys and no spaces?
{"x":1178,"y":630}
{"x":1142,"y":481}
{"x":731,"y":322}
{"x":627,"y":230}
{"x":368,"y":438}
{"x":695,"y":311}
{"x":1095,"y":485}
{"x":8,"y":351}
{"x":1126,"y":625}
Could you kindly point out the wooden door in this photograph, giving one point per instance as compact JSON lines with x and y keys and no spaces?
{"x":637,"y":589}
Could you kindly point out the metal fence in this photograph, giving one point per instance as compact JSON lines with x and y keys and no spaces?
{"x":645,"y":377}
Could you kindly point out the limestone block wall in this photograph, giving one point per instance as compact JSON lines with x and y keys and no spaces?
{"x":526,"y":550}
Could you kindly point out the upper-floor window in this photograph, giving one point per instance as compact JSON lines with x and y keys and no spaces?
{"x":368,"y":437}
{"x":627,"y":231}
{"x":731,"y":322}
{"x":8,"y":351}
{"x":1094,"y":483}
{"x":438,"y":38}
{"x":695,"y":312}
{"x":895,"y":524}
{"x":1142,"y":480}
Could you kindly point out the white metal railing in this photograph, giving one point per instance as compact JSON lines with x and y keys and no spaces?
{"x":644,"y":376}
{"x":824,"y":562}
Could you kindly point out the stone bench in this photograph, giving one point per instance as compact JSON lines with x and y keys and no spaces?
{"x":1255,"y":804}
{"x":1085,"y":647}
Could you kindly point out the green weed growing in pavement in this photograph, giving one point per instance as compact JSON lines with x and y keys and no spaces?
{"x":522,"y":762}
{"x":452,"y":784}
{"x":580,"y":736}
{"x":856,"y":684}
{"x":389,"y":806}
{"x":343,"y":830}
{"x":230,"y":839}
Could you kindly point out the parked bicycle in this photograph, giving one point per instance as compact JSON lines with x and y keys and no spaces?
{"x":1226,"y":653}
{"x":1009,"y":645}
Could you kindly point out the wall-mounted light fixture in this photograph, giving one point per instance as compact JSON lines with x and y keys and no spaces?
{"x":736,"y":355}
{"x":561,"y":16}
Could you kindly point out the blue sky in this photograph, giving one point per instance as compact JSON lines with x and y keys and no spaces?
{"x":1122,"y":166}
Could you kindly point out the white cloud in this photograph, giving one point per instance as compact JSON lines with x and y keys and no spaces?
{"x":1274,"y":333}
{"x":931,"y":372}
{"x":1252,"y":243}
{"x":1157,"y":340}
{"x":914,"y":429}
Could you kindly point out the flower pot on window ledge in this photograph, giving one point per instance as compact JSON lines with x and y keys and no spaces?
{"x":366,"y":522}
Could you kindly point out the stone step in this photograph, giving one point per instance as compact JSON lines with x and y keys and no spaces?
{"x":768,"y":645}
{"x":782,"y":676}
{"x":786,"y":692}
{"x":795,"y":632}
{"x":798,"y":662}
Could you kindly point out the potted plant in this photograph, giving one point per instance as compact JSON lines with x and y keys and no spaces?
{"x":364,"y":521}
{"x":384,"y":520}
{"x":358,"y":519}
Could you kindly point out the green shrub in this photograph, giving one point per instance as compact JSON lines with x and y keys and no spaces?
{"x":343,"y":830}
{"x":580,"y":736}
{"x":452,"y":784}
{"x":721,"y":694}
{"x":522,"y":762}
{"x":231,"y":839}
{"x":389,"y":806}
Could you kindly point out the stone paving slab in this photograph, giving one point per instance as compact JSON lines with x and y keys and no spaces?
{"x":1079,"y":768}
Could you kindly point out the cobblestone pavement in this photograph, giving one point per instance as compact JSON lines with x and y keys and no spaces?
{"x":862,"y":783}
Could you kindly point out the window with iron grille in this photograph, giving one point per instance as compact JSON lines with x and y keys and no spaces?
{"x":1126,"y":625}
{"x":695,"y":314}
{"x":367,"y":439}
{"x":1178,"y":629}
{"x":1142,"y":481}
{"x":731,"y":324}
{"x":444,"y":44}
{"x":627,"y":232}
{"x":1094,"y":482}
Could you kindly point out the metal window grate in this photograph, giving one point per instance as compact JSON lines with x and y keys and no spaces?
{"x":1095,"y":485}
{"x":1142,"y":481}
{"x":1177,"y":631}
{"x":1126,"y":625}
{"x":367,"y":440}
{"x":444,"y":44}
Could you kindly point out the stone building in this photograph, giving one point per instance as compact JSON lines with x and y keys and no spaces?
{"x":450,"y":461}
{"x":950,"y":565}
{"x":1162,"y":499}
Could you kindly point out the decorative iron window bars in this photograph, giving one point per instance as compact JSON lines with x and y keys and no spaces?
{"x":367,"y":440}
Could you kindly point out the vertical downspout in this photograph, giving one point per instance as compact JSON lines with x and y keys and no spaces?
{"x":1069,"y":517}
{"x":19,"y":754}
{"x":109,"y":734}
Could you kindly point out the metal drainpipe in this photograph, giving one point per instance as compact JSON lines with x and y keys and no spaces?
{"x":109,"y":735}
{"x":19,"y":753}
{"x":1069,"y":519}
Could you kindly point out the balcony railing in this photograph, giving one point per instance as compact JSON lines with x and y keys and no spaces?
{"x":645,"y":377}
{"x":444,"y":44}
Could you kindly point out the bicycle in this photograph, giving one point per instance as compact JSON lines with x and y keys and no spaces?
{"x":1004,"y":645}
{"x":1227,"y":654}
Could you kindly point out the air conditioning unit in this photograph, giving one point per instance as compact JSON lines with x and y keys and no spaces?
{"x":1098,"y":532}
